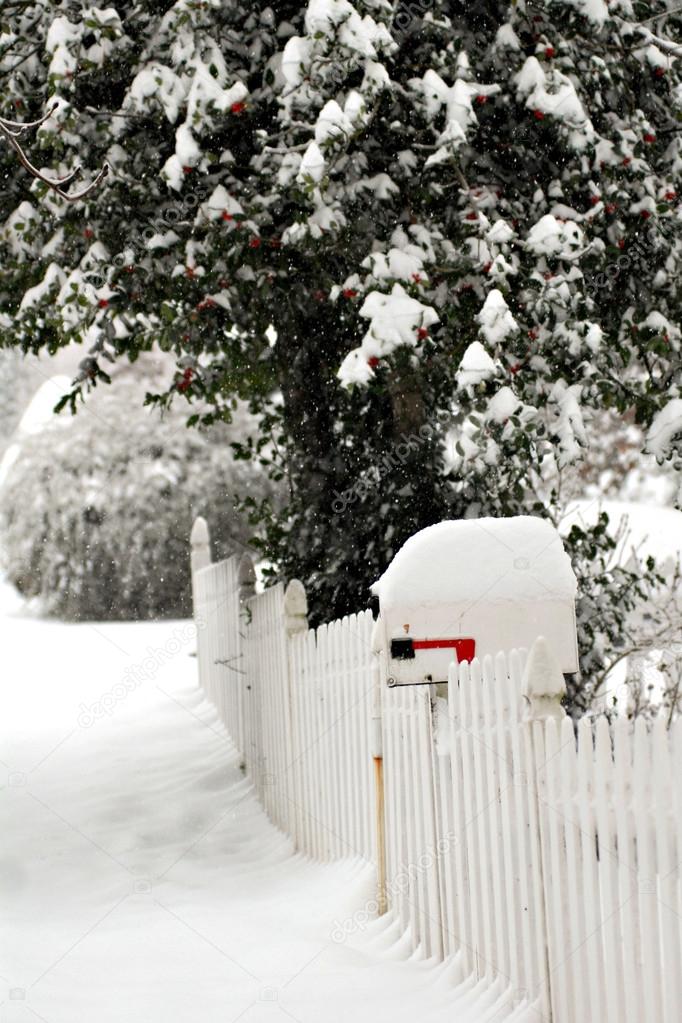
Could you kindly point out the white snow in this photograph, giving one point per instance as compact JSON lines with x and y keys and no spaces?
{"x":478,"y":556}
{"x":62,"y":39}
{"x":142,"y":881}
{"x":553,"y":93}
{"x":295,"y":57}
{"x":396,"y":319}
{"x":220,"y":202}
{"x":312,"y":165}
{"x":332,"y":123}
{"x":568,"y":425}
{"x":161,"y":83}
{"x":475,"y":367}
{"x":496,"y":320}
{"x":596,"y":10}
{"x":550,"y":237}
{"x":39,"y":411}
{"x":54,"y":275}
{"x":397,"y":264}
{"x":503,"y":405}
{"x":666,"y":425}
{"x":500,"y":233}
{"x":363,"y":36}
{"x":506,"y":36}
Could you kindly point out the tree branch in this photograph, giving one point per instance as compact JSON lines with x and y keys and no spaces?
{"x":12,"y":132}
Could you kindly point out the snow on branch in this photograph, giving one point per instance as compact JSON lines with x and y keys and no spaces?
{"x":13,"y":132}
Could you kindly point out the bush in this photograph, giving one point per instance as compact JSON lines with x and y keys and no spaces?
{"x":96,"y":511}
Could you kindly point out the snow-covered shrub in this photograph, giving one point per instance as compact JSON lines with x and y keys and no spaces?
{"x":96,"y":511}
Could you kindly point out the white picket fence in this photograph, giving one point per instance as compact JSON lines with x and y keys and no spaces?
{"x":543,"y":862}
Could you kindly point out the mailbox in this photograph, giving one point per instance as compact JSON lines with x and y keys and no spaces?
{"x":472,"y":587}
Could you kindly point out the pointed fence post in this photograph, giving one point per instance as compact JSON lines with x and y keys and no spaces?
{"x":200,"y":557}
{"x":543,"y":683}
{"x":246,"y":589}
{"x":378,"y":757}
{"x":200,"y":542}
{"x":295,"y":621}
{"x":246,"y":578}
{"x":295,"y":607}
{"x":543,"y":686}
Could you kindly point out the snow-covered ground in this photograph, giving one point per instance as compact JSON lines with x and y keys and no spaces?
{"x":141,"y":881}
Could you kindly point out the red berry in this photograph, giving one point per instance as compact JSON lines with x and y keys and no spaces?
{"x":471,"y":216}
{"x":533,"y":334}
{"x":190,"y":272}
{"x":187,"y":170}
{"x":626,"y":160}
{"x":254,"y":243}
{"x":610,"y":207}
{"x":645,"y":214}
{"x":422,"y":333}
{"x":594,"y":199}
{"x":538,"y":115}
{"x":88,"y":233}
{"x":349,"y":292}
{"x":319,"y":296}
{"x":649,"y":137}
{"x":481,"y":99}
{"x":515,"y":368}
{"x":103,"y":303}
{"x":238,"y":108}
{"x":417,"y":278}
{"x":659,"y":72}
{"x":373,"y":362}
{"x":549,"y":52}
{"x":486,"y":267}
{"x":670,"y":196}
{"x":621,"y":243}
{"x":275,"y":243}
{"x":226,"y":216}
{"x":548,"y":275}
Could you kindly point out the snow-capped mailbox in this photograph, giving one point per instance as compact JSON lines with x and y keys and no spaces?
{"x":472,"y":587}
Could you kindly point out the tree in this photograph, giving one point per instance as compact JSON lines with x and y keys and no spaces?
{"x":359,"y":216}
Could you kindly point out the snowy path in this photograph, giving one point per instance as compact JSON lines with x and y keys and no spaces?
{"x":141,"y":882}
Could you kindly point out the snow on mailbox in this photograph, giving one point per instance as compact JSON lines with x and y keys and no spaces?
{"x":472,"y":587}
